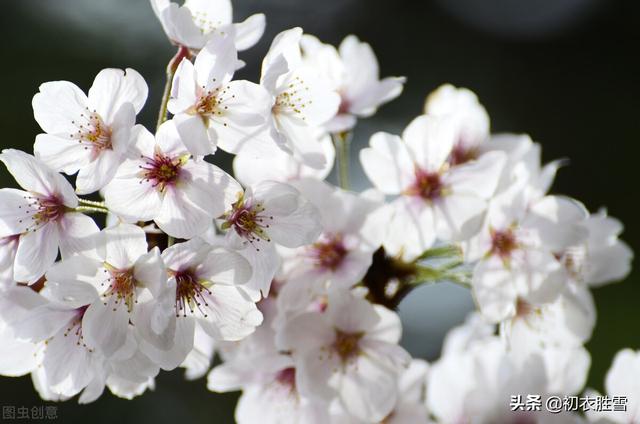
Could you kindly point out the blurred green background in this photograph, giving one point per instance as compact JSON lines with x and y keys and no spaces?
{"x":564,"y":71}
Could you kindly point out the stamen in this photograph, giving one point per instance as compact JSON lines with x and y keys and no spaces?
{"x":191,"y":294}
{"x":427,"y":185}
{"x":329,"y":253}
{"x":92,"y":132}
{"x":122,"y":286}
{"x":248,"y":221}
{"x":346,"y":345}
{"x":162,"y":171}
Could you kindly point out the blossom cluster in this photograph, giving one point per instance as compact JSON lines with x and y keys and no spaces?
{"x":293,"y":282}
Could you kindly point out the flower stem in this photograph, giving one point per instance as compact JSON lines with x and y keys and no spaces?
{"x":342,"y":142}
{"x":87,"y":202}
{"x":170,"y":241}
{"x":182,"y":53}
{"x":91,"y":209}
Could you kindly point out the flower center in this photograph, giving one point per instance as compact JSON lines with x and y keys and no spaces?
{"x":427,"y":185}
{"x":503,"y":243}
{"x":248,"y":221}
{"x":190,"y":293}
{"x":210,"y":104}
{"x":291,"y":100}
{"x":287,"y":378}
{"x":122,"y":286}
{"x":329,"y":253}
{"x":347,"y":345}
{"x":162,"y":170}
{"x":42,"y":210}
{"x":461,"y":154}
{"x":202,"y":21}
{"x":92,"y":132}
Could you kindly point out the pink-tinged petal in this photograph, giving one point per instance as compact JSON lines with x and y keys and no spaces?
{"x":15,"y":212}
{"x":431,"y":140}
{"x":382,"y":92}
{"x":185,"y":255}
{"x":104,"y":327}
{"x":231,"y":315}
{"x":57,"y":105}
{"x":62,"y":154}
{"x":216,"y":62}
{"x":78,"y":234}
{"x":112,"y":88}
{"x":195,"y":135}
{"x":98,"y":173}
{"x":387,"y":163}
{"x":37,"y":251}
{"x":125,"y":244}
{"x":249,"y":32}
{"x":131,"y":197}
{"x":36,"y":177}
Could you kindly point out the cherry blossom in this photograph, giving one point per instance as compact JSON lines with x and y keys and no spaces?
{"x":208,"y":106}
{"x":197,"y":21}
{"x":435,"y":201}
{"x":41,"y":217}
{"x":352,"y":70}
{"x":165,"y":184}
{"x":90,"y":134}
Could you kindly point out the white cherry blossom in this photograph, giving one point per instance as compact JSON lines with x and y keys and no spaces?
{"x":208,"y":106}
{"x":268,"y":214}
{"x":352,"y":70}
{"x":301,"y":102}
{"x":196,"y":21}
{"x":348,"y":351}
{"x":165,"y":184}
{"x":202,"y":290}
{"x":90,"y":134}
{"x":435,"y":201}
{"x":40,"y":217}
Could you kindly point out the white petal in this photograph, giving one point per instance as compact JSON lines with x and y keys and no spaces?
{"x":195,"y":135}
{"x":37,"y":251}
{"x":431,"y":140}
{"x":58,"y":104}
{"x":35,"y":176}
{"x":387,"y":163}
{"x":104,"y":327}
{"x":97,"y":174}
{"x":62,"y":154}
{"x":113,"y":87}
{"x":78,"y":234}
{"x":183,"y":88}
{"x":249,"y":32}
{"x":216,"y":62}
{"x":231,"y":315}
{"x":180,"y":217}
{"x":125,"y":244}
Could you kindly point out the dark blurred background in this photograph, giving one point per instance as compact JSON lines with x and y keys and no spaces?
{"x":564,"y":71}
